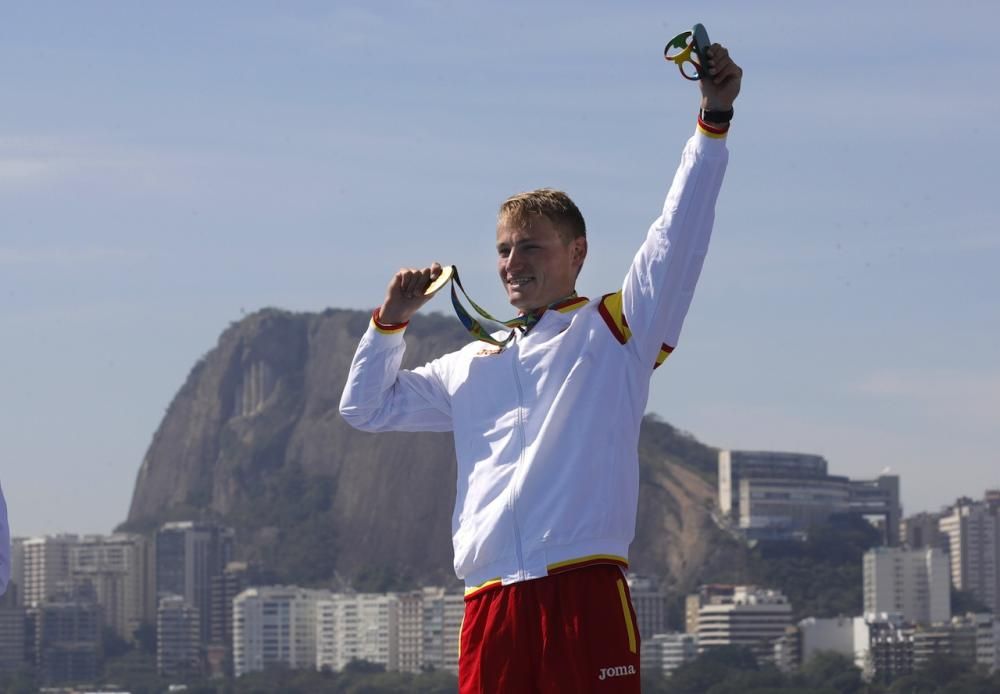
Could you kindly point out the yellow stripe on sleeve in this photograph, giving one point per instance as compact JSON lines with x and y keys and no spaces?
{"x":613,"y":314}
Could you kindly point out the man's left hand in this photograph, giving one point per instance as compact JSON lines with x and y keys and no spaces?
{"x":722,"y":85}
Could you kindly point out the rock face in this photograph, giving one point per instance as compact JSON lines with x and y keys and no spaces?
{"x":254,"y":439}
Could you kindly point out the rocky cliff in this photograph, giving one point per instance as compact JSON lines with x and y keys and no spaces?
{"x":253,"y":438}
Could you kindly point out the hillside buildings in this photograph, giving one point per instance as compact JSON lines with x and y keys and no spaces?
{"x":773,"y":495}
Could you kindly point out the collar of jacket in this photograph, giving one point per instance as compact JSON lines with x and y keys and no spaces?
{"x":560,"y":309}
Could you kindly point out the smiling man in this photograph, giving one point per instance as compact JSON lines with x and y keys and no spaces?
{"x":541,"y":245}
{"x":546,"y":428}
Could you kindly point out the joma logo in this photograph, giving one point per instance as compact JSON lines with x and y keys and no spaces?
{"x":619,"y":671}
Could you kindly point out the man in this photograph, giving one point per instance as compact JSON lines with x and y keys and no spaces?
{"x":4,"y":545}
{"x":546,"y":428}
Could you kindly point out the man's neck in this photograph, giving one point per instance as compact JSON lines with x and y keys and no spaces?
{"x":542,"y":309}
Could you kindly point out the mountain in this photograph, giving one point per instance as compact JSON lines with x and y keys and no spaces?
{"x":254,"y":439}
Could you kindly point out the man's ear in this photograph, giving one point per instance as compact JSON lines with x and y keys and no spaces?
{"x":579,"y":250}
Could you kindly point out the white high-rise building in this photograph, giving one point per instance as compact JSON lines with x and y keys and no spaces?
{"x":117,"y":567}
{"x":749,"y":616}
{"x":276,"y":624}
{"x":319,"y":629}
{"x":974,"y":547}
{"x":912,"y":583}
{"x":442,"y":625}
{"x":357,"y":626}
{"x":46,"y":567}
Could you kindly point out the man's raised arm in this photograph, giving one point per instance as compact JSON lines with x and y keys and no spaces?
{"x":657,"y":291}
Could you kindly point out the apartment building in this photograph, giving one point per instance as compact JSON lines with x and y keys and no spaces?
{"x":277,"y":625}
{"x":178,"y":637}
{"x":118,"y":571}
{"x":650,"y":604}
{"x":667,"y":651}
{"x":188,"y":556}
{"x":913,"y":583}
{"x":45,"y":567}
{"x":973,"y":532}
{"x":749,"y":616}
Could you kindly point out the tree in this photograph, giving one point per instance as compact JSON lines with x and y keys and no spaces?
{"x":710,"y":668}
{"x":833,"y":670}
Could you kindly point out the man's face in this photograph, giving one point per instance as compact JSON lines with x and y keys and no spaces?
{"x":537,"y":267}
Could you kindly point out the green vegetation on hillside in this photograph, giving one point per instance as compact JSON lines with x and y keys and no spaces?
{"x":659,"y":436}
{"x":821,"y":576}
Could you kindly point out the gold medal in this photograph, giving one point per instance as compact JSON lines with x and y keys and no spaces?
{"x":446,"y":272}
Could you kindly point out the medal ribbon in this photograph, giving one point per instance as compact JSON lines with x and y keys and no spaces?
{"x":525,"y":321}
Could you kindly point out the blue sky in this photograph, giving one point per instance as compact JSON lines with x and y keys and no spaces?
{"x":166,"y":168}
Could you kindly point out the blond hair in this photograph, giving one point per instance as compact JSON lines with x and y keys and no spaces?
{"x":552,"y":204}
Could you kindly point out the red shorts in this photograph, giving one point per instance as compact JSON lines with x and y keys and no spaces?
{"x":570,"y":632}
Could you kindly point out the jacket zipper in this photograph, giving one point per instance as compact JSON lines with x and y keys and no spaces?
{"x":520,"y":462}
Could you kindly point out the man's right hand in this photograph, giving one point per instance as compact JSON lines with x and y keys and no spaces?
{"x":405,"y":294}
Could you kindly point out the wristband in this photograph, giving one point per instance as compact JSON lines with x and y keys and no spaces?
{"x":387,"y":328}
{"x":720,"y":117}
{"x":717,"y":132}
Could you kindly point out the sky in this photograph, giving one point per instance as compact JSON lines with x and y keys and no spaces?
{"x":166,"y":169}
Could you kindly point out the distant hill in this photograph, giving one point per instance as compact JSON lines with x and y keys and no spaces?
{"x":254,"y":439}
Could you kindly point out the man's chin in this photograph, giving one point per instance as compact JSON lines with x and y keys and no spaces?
{"x":519,"y":301}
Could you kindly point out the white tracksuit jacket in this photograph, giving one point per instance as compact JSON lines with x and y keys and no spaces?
{"x":546,"y":431}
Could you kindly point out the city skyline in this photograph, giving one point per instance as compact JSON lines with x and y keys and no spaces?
{"x":165,"y":171}
{"x":930,"y":597}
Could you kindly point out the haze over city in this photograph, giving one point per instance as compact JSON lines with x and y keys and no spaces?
{"x":166,"y":170}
